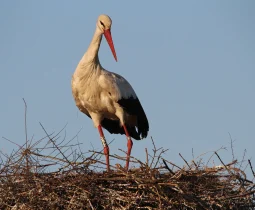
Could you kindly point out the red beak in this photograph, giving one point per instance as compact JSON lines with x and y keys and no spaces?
{"x":108,"y":36}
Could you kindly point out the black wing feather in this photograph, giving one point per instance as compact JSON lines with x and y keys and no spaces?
{"x":133,"y":107}
{"x":113,"y":126}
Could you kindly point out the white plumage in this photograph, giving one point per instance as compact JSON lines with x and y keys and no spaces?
{"x":107,"y":97}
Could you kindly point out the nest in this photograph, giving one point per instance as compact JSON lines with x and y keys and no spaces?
{"x":54,"y":175}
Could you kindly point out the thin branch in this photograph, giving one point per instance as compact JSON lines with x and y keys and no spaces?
{"x":251,"y":167}
{"x":25,"y":122}
{"x":185,"y":161}
{"x":232,"y":146}
{"x":167,"y":167}
{"x":55,"y":145}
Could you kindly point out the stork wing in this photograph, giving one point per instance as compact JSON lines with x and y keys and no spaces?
{"x":134,"y":107}
{"x":116,"y":85}
{"x":123,"y":94}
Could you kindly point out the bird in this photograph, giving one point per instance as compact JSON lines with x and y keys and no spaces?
{"x":106,"y":97}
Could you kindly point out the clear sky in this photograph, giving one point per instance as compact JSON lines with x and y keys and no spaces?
{"x":191,"y":63}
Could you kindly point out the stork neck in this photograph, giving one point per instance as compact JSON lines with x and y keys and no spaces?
{"x":92,"y":53}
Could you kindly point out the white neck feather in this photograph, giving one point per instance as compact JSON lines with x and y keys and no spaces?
{"x":91,"y":55}
{"x":90,"y":62}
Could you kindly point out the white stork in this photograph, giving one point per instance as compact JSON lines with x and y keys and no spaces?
{"x":107,"y":98}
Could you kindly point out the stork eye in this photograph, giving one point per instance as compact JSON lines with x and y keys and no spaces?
{"x":102,"y":23}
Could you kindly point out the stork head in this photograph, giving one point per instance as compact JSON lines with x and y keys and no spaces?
{"x":104,"y":24}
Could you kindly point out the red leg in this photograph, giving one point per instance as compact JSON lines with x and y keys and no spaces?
{"x":129,"y":145}
{"x":105,"y":145}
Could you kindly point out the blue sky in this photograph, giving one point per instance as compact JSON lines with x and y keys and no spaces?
{"x":192,"y":64}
